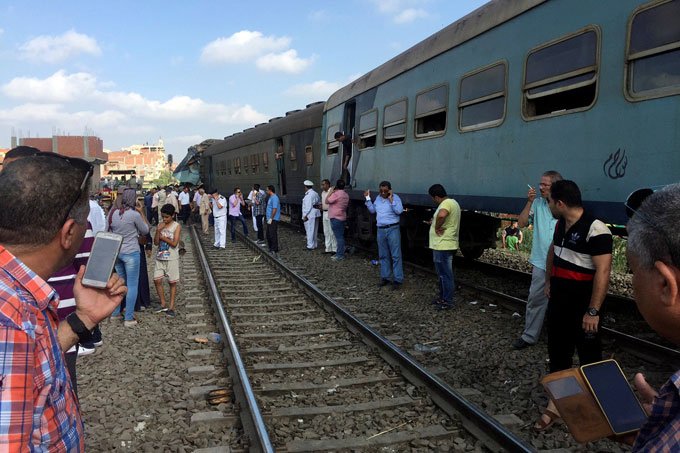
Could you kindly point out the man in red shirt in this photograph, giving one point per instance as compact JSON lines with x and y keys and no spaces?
{"x":41,"y":232}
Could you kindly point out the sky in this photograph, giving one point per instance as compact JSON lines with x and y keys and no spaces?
{"x":136,"y":72}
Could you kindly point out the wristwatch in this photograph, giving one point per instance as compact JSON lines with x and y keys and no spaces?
{"x":593,"y":312}
{"x":84,"y":335}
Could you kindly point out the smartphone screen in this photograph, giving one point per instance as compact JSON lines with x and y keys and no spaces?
{"x":616,"y":398}
{"x":102,"y":259}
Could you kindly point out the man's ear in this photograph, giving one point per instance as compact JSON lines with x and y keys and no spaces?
{"x":67,"y":234}
{"x":671,"y":276}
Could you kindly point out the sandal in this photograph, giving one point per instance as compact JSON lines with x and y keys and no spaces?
{"x":541,"y":425}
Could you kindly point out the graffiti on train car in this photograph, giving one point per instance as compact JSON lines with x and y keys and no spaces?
{"x":615,"y":166}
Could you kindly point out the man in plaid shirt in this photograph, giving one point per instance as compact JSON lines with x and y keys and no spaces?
{"x":40,"y":232}
{"x":654,"y":258}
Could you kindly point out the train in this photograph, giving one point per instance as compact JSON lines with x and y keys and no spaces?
{"x":484,"y":107}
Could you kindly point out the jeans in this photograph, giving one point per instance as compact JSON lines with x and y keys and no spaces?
{"x":338,"y":227}
{"x":443,"y":264}
{"x":389,"y":248}
{"x":260,"y":228}
{"x":537,"y":304}
{"x":127,"y":268}
{"x":232,"y":225}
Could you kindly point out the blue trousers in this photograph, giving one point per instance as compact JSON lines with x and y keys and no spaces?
{"x":338,"y":227}
{"x":232,"y":227}
{"x":443,"y":264}
{"x":127,"y":268}
{"x":389,"y":248}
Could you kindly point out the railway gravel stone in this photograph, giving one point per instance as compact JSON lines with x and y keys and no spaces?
{"x":474,"y":339}
{"x":135,"y":390}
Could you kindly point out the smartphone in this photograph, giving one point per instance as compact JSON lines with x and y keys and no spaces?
{"x":102,"y":259}
{"x":614,"y":396}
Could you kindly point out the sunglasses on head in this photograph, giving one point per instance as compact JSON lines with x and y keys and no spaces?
{"x":80,"y":164}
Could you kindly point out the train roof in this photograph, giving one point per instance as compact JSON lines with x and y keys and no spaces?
{"x":477,"y":22}
{"x":294,"y":121}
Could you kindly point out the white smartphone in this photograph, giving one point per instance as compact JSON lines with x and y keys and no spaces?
{"x":102,"y":259}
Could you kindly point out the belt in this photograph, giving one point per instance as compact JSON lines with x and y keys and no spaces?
{"x":218,"y":216}
{"x":382,"y":227}
{"x":325,"y":210}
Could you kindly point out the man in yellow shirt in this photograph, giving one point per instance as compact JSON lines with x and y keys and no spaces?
{"x":444,"y":229}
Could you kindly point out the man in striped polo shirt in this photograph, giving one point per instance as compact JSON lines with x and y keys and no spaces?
{"x":579,"y":263}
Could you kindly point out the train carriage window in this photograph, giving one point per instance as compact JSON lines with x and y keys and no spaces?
{"x":482,"y":98}
{"x":653,"y":56}
{"x":368,"y":129}
{"x":228,"y":166}
{"x":561,"y":77}
{"x":332,"y":145}
{"x":265,"y":161}
{"x":293,"y":158}
{"x":246,"y":167}
{"x":431,"y":108}
{"x":394,"y":123}
{"x":309,"y":155}
{"x":255,"y":162}
{"x":237,"y":166}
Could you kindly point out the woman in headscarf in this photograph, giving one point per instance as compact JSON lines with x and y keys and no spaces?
{"x":128,"y":221}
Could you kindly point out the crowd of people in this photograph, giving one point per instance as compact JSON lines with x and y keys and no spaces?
{"x":45,"y":310}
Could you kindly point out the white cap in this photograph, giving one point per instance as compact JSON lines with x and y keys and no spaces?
{"x":308,"y":183}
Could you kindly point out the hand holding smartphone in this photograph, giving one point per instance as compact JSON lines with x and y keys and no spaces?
{"x":102,"y":259}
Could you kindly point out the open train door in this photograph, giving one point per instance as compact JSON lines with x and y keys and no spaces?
{"x":279,"y":156}
{"x":348,"y":151}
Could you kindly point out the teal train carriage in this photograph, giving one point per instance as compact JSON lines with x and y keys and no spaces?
{"x":283,"y":152}
{"x":517,"y":87}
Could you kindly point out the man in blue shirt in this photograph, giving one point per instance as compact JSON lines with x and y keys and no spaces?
{"x":537,"y":213}
{"x":273,"y":215}
{"x":387,"y":209}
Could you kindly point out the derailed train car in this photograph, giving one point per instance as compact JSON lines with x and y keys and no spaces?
{"x":283,"y":152}
{"x":515,"y":88}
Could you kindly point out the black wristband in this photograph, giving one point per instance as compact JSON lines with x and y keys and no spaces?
{"x":84,"y":335}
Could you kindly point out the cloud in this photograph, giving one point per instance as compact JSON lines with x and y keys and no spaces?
{"x":62,"y":88}
{"x":320,"y":89}
{"x":242,"y":46}
{"x":409,"y":15}
{"x":287,"y":61}
{"x":401,"y":11}
{"x":59,"y":87}
{"x":56,"y":49}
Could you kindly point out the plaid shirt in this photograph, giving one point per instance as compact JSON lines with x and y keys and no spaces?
{"x":38,"y":408}
{"x":260,"y":207}
{"x":661,"y":432}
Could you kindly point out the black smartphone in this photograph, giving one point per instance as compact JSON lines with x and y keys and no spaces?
{"x":614,"y":396}
{"x":102,"y":259}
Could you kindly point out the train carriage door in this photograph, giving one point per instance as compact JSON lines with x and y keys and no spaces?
{"x":280,"y":166}
{"x":348,"y":150}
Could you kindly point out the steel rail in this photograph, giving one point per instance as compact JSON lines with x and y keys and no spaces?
{"x":484,"y":427}
{"x":639,"y":343}
{"x":254,"y":422}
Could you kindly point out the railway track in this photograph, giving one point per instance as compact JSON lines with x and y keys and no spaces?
{"x":635,"y":336}
{"x":310,"y":376}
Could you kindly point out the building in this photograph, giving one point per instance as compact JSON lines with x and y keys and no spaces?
{"x":148,"y":161}
{"x":3,"y":151}
{"x":88,"y":147}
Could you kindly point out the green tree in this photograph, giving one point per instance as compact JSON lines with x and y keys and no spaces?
{"x":164,"y":179}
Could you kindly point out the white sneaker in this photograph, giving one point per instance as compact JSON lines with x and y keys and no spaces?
{"x":130,"y":323}
{"x":82,"y":350}
{"x":99,"y":343}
